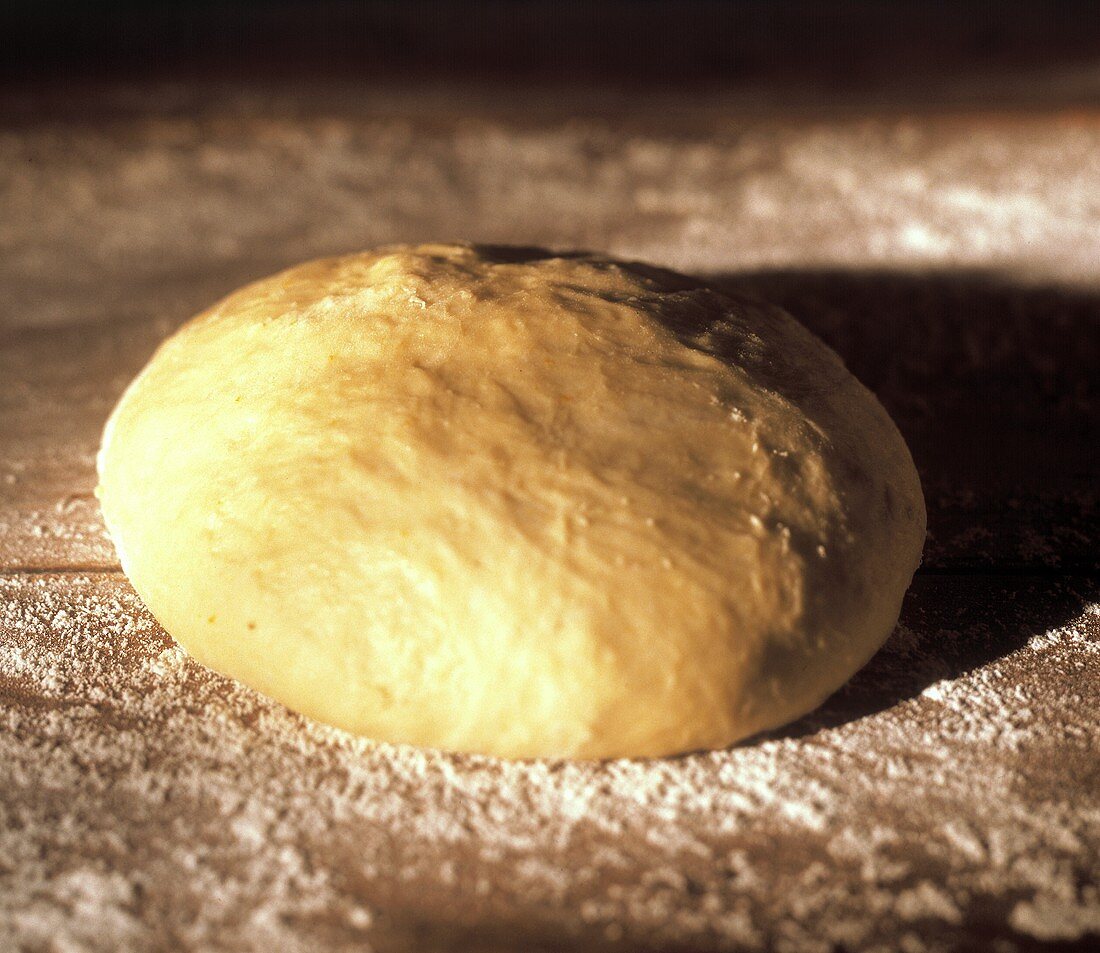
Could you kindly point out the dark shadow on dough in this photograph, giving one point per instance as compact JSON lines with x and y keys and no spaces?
{"x":666,"y":279}
{"x":520,"y":254}
{"x":993,"y":384}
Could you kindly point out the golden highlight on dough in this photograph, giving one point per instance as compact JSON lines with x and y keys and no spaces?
{"x":498,"y":501}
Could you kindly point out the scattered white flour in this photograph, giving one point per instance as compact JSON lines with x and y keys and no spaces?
{"x":232,"y":190}
{"x":149,"y":804}
{"x":949,"y":798}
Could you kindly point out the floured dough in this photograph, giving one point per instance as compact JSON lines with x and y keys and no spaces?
{"x":491,"y":500}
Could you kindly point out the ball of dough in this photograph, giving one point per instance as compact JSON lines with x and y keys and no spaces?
{"x":498,"y":501}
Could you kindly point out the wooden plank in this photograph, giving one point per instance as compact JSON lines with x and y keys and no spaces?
{"x":947,"y":798}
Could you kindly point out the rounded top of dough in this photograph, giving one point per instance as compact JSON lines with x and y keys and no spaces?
{"x":499,"y":501}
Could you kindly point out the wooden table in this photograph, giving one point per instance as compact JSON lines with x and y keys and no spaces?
{"x":948,"y":797}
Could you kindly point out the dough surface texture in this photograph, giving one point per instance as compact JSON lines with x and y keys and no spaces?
{"x":496,"y":501}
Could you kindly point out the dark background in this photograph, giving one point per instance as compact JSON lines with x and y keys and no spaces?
{"x":931,"y":50}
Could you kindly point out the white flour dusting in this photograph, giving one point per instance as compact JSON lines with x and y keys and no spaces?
{"x":94,"y":212}
{"x":149,"y":804}
{"x":948,"y":798}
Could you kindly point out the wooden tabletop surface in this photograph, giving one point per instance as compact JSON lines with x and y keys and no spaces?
{"x":948,"y":797}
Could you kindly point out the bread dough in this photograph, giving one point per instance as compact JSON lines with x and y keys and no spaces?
{"x":497,"y":501}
